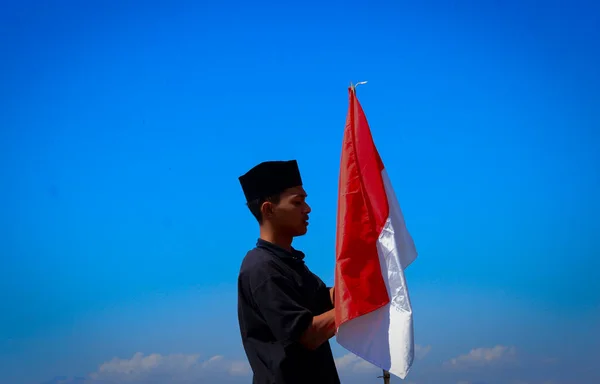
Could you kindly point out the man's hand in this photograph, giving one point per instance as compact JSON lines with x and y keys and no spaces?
{"x":332,"y":295}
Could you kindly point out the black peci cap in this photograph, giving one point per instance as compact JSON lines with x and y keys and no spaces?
{"x":270,"y":178}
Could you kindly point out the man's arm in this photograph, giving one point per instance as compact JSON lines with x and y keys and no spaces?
{"x":279,"y":302}
{"x":322,"y":329}
{"x":332,"y":295}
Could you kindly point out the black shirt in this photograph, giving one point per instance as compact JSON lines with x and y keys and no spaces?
{"x":278,"y":296}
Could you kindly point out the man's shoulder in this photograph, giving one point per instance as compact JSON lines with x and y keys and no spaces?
{"x":257,"y":260}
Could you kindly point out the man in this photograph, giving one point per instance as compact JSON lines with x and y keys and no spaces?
{"x":285,"y":312}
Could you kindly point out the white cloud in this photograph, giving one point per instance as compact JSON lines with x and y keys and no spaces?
{"x":239,"y":368}
{"x":175,"y":368}
{"x":421,"y":351}
{"x":156,"y":368}
{"x":484,"y":357}
{"x":352,"y":363}
{"x":192,"y":368}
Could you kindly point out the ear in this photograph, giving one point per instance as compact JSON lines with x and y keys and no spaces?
{"x":266,"y":209}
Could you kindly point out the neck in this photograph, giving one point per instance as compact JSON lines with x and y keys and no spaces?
{"x":281,"y":240}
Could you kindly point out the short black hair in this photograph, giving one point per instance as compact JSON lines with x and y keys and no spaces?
{"x":254,"y":205}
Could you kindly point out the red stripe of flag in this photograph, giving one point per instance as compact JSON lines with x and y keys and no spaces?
{"x":362,"y":212}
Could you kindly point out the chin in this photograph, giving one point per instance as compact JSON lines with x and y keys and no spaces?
{"x":301,"y":231}
{"x":298,"y":230}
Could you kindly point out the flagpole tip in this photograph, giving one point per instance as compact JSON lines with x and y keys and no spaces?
{"x":353,"y":86}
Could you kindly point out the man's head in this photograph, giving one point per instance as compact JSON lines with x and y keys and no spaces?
{"x":276,"y":198}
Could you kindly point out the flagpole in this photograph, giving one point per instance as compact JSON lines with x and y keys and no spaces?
{"x":386,"y":377}
{"x":353,"y":86}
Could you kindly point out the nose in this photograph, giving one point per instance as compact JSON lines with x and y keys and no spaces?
{"x":307,"y":208}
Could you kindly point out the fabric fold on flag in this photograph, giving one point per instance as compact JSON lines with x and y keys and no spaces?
{"x":373,"y":248}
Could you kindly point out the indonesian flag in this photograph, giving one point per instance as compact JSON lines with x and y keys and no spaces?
{"x":373,"y":247}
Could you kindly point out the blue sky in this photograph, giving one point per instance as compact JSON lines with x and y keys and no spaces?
{"x":124,"y":126}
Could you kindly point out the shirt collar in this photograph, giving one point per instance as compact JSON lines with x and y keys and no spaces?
{"x":283,"y":253}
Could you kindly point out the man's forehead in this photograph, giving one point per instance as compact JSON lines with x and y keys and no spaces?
{"x":295,"y":191}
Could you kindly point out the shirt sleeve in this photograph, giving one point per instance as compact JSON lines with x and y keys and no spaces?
{"x":279,"y":301}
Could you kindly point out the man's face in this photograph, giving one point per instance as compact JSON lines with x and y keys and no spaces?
{"x":290,"y":216}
